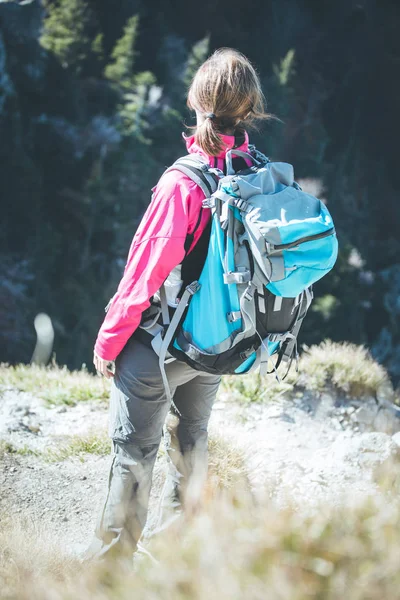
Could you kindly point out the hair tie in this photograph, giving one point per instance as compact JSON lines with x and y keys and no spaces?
{"x":210,"y":116}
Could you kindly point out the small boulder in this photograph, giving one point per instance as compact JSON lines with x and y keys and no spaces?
{"x":387,"y":421}
{"x":366,"y":450}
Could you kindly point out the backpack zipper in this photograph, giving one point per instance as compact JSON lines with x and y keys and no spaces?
{"x":308,"y":238}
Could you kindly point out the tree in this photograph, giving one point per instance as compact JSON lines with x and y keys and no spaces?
{"x":120,"y":71}
{"x":70,"y":32}
{"x":196,"y":57}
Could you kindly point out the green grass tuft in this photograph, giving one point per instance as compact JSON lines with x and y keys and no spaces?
{"x":56,"y":385}
{"x":79,"y":446}
{"x":252,"y":388}
{"x":6,"y":448}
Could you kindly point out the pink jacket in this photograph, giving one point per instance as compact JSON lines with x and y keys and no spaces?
{"x":156,"y":249}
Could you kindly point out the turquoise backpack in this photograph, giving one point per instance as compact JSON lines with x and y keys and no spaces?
{"x":269,"y":242}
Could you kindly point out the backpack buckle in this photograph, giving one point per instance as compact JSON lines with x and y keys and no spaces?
{"x":208,"y":203}
{"x":270,"y":247}
{"x":242,"y":276}
{"x":217,"y":172}
{"x":234,"y":316}
{"x":249,"y":293}
{"x":193,"y":287}
{"x":246,"y":353}
{"x":278,"y":337}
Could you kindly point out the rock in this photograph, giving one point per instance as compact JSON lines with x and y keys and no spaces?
{"x":366,"y":450}
{"x":385,"y":392}
{"x":386,"y":421}
{"x":396,"y":438}
{"x":325,"y":407}
{"x":34,"y":428}
{"x":366,"y":414}
{"x":287,"y":418}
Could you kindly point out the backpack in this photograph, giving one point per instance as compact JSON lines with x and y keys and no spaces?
{"x":269,"y":242}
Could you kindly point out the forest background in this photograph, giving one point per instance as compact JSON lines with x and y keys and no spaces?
{"x":92,"y":107}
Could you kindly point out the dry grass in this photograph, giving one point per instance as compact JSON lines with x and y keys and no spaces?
{"x":56,"y":385}
{"x":348,"y":368}
{"x":234,"y":549}
{"x":30,"y":557}
{"x":226,"y":465}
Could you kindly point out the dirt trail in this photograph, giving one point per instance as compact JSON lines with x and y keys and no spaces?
{"x":304,"y":450}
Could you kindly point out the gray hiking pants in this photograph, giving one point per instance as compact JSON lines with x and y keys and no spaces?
{"x":138,"y":411}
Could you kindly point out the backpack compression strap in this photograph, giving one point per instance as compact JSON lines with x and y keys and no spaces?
{"x":288,"y":339}
{"x":286,"y":353}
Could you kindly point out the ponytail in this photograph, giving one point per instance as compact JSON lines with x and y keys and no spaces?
{"x":207,"y":137}
{"x":227,"y":85}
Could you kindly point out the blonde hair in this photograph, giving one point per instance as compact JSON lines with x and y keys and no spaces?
{"x":227,"y":92}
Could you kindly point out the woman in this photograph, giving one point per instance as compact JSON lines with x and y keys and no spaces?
{"x":226,"y":96}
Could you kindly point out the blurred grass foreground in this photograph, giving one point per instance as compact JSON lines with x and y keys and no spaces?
{"x":236,"y":545}
{"x":234,"y":548}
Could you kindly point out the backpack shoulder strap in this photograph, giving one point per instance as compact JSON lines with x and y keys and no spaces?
{"x":198,"y":171}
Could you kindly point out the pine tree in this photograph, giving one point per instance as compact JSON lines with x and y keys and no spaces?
{"x":285,"y":71}
{"x":133,"y":109}
{"x":120,"y":71}
{"x":69,"y":32}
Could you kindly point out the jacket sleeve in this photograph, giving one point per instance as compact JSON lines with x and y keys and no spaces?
{"x":158,"y":247}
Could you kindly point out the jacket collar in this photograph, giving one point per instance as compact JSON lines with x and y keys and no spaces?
{"x":230,"y":141}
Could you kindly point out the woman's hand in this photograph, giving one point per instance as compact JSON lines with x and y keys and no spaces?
{"x":103,"y":367}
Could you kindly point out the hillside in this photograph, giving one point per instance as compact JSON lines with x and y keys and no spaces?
{"x":321,"y":445}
